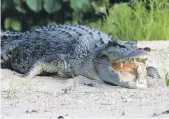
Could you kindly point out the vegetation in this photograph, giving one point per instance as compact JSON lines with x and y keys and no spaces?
{"x":167,"y":79}
{"x":136,"y":22}
{"x":167,"y":73}
{"x":133,"y":20}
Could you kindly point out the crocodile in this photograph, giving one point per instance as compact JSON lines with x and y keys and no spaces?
{"x":71,"y":50}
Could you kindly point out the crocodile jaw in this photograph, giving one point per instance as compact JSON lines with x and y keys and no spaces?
{"x":133,"y":70}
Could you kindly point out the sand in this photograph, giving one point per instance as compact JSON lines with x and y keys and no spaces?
{"x":53,"y":97}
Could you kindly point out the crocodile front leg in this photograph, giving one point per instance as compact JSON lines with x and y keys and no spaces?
{"x":50,"y":64}
{"x":106,"y":73}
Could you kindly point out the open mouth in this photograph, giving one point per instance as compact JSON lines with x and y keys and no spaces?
{"x":128,"y":70}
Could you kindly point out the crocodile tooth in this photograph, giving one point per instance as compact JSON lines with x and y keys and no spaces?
{"x":134,"y":61}
{"x":121,"y":65}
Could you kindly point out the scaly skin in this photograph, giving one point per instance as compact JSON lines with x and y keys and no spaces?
{"x":68,"y":50}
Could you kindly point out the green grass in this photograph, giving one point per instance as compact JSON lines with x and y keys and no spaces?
{"x":16,"y":86}
{"x":164,"y":63}
{"x":167,"y":79}
{"x":135,"y":22}
{"x":167,"y":75}
{"x":12,"y":90}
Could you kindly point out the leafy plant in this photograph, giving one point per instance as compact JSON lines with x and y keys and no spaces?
{"x":77,"y":5}
{"x":135,"y":22}
{"x":167,"y":79}
{"x":34,"y":5}
{"x":49,"y":6}
{"x":13,"y":23}
{"x":52,"y":6}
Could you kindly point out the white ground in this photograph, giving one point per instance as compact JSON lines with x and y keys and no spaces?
{"x":51,"y":97}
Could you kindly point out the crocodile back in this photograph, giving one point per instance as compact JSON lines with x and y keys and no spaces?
{"x":76,"y":42}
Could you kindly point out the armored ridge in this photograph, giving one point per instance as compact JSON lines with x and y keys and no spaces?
{"x":8,"y":37}
{"x":72,"y":50}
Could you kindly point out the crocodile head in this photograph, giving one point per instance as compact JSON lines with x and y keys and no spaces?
{"x":127,"y":64}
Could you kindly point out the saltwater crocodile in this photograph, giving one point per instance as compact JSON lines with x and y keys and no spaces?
{"x":72,"y":50}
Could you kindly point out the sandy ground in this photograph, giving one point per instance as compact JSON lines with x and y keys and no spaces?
{"x":51,"y":97}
